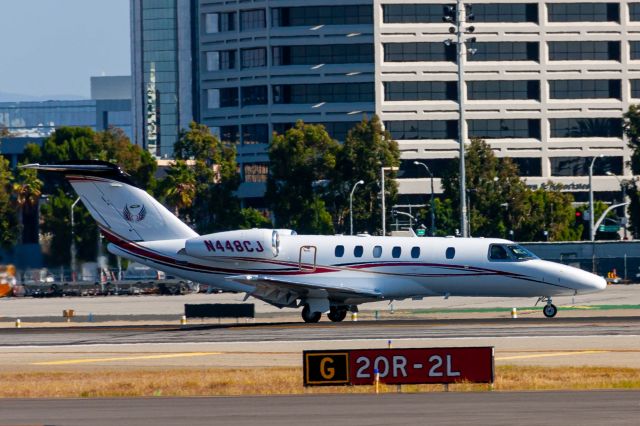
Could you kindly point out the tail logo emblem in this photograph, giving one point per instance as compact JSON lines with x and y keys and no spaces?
{"x":134,"y":216}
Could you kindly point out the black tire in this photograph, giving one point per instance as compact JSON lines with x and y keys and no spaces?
{"x":337,"y":315}
{"x":550,"y":310}
{"x":309,"y":316}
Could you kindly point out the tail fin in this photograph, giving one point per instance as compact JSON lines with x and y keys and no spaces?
{"x":117,"y":204}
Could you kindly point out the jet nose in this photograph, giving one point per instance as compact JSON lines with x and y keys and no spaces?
{"x":586,"y":282}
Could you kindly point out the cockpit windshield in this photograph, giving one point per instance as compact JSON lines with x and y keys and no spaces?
{"x":509,"y":253}
{"x":521,"y":253}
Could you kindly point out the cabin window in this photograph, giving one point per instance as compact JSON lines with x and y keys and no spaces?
{"x":415,"y":252}
{"x":339,"y":251}
{"x":377,"y":251}
{"x":498,"y":252}
{"x":450,"y":253}
{"x":396,"y":252}
{"x":357,"y":251}
{"x":521,"y":253}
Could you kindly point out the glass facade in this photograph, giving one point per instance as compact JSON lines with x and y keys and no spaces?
{"x":413,"y":13}
{"x":528,"y":167}
{"x":419,"y":52}
{"x":46,"y":116}
{"x":586,"y":127}
{"x":634,"y":12}
{"x":322,"y":15}
{"x":421,"y":91}
{"x":585,"y":89}
{"x":252,"y":20}
{"x":325,"y":92}
{"x":422,"y":129}
{"x":323,"y":54}
{"x":505,"y":12}
{"x":160,"y":71}
{"x":503,"y":89}
{"x":336,"y":129}
{"x":584,"y":51}
{"x":579,"y":166}
{"x":504,"y":129}
{"x":583,"y":12}
{"x":506,"y":51}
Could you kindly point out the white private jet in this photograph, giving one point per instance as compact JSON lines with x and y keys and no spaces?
{"x":320,"y":273}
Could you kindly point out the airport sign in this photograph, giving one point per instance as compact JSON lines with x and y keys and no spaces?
{"x":399,"y":366}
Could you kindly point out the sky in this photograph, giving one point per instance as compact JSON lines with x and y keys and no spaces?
{"x":53,"y":47}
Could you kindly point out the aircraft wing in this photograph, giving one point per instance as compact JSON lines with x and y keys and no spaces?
{"x":283,"y":291}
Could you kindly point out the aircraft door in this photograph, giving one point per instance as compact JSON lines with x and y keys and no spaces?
{"x":307,"y":259}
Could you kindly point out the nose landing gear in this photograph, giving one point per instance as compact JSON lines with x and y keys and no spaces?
{"x":550,"y":309}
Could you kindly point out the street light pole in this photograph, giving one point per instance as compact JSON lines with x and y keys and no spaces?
{"x":592,"y":231}
{"x":623,"y":188}
{"x":384,"y":213}
{"x":73,"y":240}
{"x":360,"y":182}
{"x":433,"y":206}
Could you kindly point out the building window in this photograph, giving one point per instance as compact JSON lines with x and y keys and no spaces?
{"x":586,"y":127}
{"x":634,"y":50}
{"x":506,"y":51}
{"x":323,"y":54}
{"x":377,"y":251}
{"x":528,"y":166}
{"x":634,"y":12}
{"x":220,"y":22}
{"x":327,"y":92}
{"x":396,"y":252}
{"x":336,"y":129}
{"x":503,"y":89}
{"x":252,"y":19}
{"x":584,"y":51}
{"x":230,"y":134}
{"x":423,"y":129}
{"x":255,"y":133}
{"x":585,"y":89}
{"x":222,"y":98}
{"x":579,"y":166}
{"x":450,"y":253}
{"x":583,"y":12}
{"x":415,"y":252}
{"x":419,"y":52}
{"x":254,"y":95}
{"x":504,"y":129}
{"x":420,"y":91}
{"x":357,"y":251}
{"x":413,"y":13}
{"x":635,"y":88}
{"x":322,"y":15}
{"x":253,"y":58}
{"x":505,"y":12}
{"x":339,"y":252}
{"x":438,"y":166}
{"x":221,"y":60}
{"x":255,"y":172}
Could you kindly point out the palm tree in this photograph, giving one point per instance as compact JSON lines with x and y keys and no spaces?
{"x":178,"y":188}
{"x":26,"y":192}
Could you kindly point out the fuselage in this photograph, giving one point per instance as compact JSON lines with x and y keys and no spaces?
{"x":394,"y":267}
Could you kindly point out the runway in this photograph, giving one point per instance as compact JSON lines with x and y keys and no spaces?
{"x":487,"y":408}
{"x":603,"y":341}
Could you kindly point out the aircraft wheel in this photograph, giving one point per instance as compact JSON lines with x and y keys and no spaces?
{"x":309,"y":316}
{"x":550,"y":310}
{"x":337,"y":315}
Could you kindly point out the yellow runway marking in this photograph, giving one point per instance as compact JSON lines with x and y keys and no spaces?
{"x":125,"y":358}
{"x":548,"y":355}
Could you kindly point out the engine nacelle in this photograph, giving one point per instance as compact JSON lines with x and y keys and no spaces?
{"x":264,"y":243}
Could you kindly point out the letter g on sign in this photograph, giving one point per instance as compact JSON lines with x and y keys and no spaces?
{"x":327,"y":372}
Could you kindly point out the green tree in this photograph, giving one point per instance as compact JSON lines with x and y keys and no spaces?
{"x":8,"y":219}
{"x":551,"y":210}
{"x":631,"y":126}
{"x":178,"y":188}
{"x":26,"y":193}
{"x":215,"y":205}
{"x":253,"y":218}
{"x":301,"y":162}
{"x":367,"y":148}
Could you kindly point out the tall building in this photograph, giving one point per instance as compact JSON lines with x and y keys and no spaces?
{"x":162,"y":32}
{"x":545,"y":82}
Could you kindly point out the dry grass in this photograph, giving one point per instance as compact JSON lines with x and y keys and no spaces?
{"x":271,"y":381}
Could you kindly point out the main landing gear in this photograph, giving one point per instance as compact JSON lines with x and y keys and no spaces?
{"x":309,"y":316}
{"x":549,"y":309}
{"x":337,"y":314}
